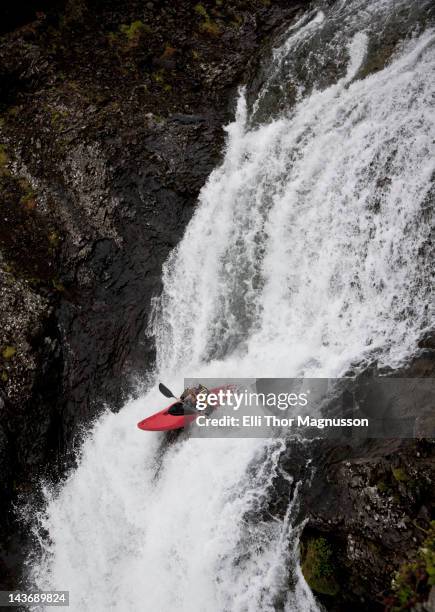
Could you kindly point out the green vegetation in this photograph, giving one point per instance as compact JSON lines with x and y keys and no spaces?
{"x":54,"y":239}
{"x":57,"y":117}
{"x":57,"y":285}
{"x":8,"y":352}
{"x":208,"y":25}
{"x":413,"y":581}
{"x":318,"y":566}
{"x":158,"y":77}
{"x":200,"y":9}
{"x":134,"y":31}
{"x":13,"y":111}
{"x":400,"y":475}
{"x":129,"y":35}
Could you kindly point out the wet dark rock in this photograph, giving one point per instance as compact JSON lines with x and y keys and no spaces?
{"x":427,"y":341}
{"x":368,"y":504}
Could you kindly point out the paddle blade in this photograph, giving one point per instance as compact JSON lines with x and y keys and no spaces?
{"x":165,"y":391}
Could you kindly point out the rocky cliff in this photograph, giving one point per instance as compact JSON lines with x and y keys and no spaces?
{"x":367,"y":506}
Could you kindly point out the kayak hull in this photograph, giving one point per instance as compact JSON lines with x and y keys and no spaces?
{"x":163,"y":421}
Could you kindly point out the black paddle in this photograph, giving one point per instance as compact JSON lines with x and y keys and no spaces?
{"x":166,"y":392}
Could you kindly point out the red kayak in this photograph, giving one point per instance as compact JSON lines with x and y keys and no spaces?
{"x":171,"y":417}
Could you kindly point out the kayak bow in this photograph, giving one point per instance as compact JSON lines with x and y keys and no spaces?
{"x":165,"y":421}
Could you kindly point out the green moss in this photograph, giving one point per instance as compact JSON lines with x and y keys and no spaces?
{"x":201,"y":10}
{"x":54,"y":239}
{"x":57,"y":118}
{"x":158,"y":76}
{"x":400,"y":475}
{"x":4,"y":376}
{"x":13,"y":111}
{"x":8,"y":352}
{"x":318,"y":566}
{"x":237,"y":21}
{"x":427,"y":552}
{"x":413,"y":581}
{"x":134,"y":31}
{"x":208,"y":25}
{"x":57,"y":285}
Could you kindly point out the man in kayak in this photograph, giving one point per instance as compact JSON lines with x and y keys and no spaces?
{"x":190,"y":395}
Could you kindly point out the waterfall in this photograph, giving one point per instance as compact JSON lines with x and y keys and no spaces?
{"x":308,"y":250}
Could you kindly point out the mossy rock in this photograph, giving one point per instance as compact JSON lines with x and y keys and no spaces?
{"x":54,"y":238}
{"x":134,"y":30}
{"x":201,"y":10}
{"x":428,"y":554}
{"x":318,"y":566}
{"x":400,"y":475}
{"x":28,"y":243}
{"x":57,"y":285}
{"x":8,"y":352}
{"x":414,"y":580}
{"x":208,"y":25}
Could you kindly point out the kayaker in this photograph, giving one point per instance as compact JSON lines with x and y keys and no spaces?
{"x":190,"y":395}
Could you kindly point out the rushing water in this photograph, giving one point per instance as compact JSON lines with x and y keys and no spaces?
{"x":309,"y":250}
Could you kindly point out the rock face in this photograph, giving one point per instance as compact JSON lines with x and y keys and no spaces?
{"x":111,"y":117}
{"x":368,"y":508}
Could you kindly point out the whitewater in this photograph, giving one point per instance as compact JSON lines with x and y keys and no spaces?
{"x":308,"y":252}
